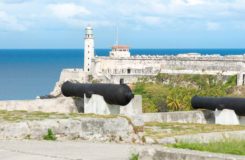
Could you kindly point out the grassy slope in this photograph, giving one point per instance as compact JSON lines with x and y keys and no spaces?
{"x":161,"y":130}
{"x":228,"y":146}
{"x":16,"y":116}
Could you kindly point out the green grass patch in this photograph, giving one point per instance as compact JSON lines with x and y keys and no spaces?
{"x":50,"y":136}
{"x":17,"y":116}
{"x":134,"y":157}
{"x":236,"y":147}
{"x":161,"y":130}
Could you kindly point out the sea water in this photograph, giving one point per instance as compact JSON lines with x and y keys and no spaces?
{"x":25,"y":74}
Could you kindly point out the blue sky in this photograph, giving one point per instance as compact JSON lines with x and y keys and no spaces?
{"x":142,"y":23}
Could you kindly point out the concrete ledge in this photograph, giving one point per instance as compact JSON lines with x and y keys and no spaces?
{"x":183,"y":154}
{"x":199,"y":116}
{"x":59,"y":105}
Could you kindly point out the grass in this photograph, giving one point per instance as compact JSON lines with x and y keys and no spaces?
{"x":134,"y":157}
{"x":161,"y":130}
{"x":236,"y":147}
{"x":17,"y":116}
{"x":50,"y":136}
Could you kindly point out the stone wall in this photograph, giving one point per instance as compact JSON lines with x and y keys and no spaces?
{"x":200,"y":116}
{"x":134,"y":67}
{"x":93,"y":129}
{"x":60,"y":105}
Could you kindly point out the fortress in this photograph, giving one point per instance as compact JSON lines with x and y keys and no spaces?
{"x":121,"y":67}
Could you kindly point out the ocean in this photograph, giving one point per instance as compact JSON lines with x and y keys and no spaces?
{"x":25,"y":74}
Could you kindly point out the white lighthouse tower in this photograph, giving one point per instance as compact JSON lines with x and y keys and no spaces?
{"x":88,"y":49}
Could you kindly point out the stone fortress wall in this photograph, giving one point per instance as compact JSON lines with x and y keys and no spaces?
{"x":112,"y":69}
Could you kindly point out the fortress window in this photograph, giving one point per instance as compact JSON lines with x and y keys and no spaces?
{"x":121,"y":81}
{"x":129,"y":71}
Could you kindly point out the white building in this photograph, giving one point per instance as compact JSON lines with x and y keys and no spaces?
{"x":120,"y":51}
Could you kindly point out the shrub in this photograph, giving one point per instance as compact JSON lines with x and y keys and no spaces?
{"x":177,"y":93}
{"x":50,"y":136}
{"x":134,"y":157}
{"x":154,"y":96}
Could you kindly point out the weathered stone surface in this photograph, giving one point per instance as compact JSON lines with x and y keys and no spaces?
{"x":149,"y":140}
{"x":61,"y":105}
{"x":97,"y":105}
{"x":16,"y":131}
{"x":95,"y":129}
{"x":199,"y":116}
{"x":133,"y":108}
{"x":181,"y":154}
{"x":226,"y":117}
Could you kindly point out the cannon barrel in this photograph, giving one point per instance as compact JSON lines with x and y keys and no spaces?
{"x":112,"y":93}
{"x":220,"y":103}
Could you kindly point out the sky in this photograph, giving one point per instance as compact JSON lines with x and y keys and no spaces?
{"x":51,"y":24}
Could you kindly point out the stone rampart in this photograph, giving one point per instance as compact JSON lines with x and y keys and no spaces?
{"x":59,"y":105}
{"x":201,"y":116}
{"x":131,"y":68}
{"x":93,"y":129}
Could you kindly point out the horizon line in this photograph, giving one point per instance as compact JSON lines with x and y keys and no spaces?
{"x":102,"y":48}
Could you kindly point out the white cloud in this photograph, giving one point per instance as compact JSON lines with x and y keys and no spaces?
{"x":213,"y":26}
{"x":69,"y":13}
{"x":68,"y":10}
{"x":152,"y":13}
{"x":150,"y":20}
{"x":8,"y":22}
{"x":195,"y":2}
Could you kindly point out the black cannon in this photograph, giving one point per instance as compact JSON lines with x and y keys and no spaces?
{"x":112,"y":93}
{"x":220,"y":103}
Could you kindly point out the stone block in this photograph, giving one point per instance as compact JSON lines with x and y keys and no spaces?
{"x":226,"y":117}
{"x":199,"y":116}
{"x":97,"y":105}
{"x":134,"y":107}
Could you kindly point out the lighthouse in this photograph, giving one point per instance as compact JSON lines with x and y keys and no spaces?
{"x":88,"y":49}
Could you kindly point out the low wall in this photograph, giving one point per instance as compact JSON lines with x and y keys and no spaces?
{"x":86,"y":128}
{"x":181,"y":154}
{"x":199,"y":116}
{"x":60,"y":105}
